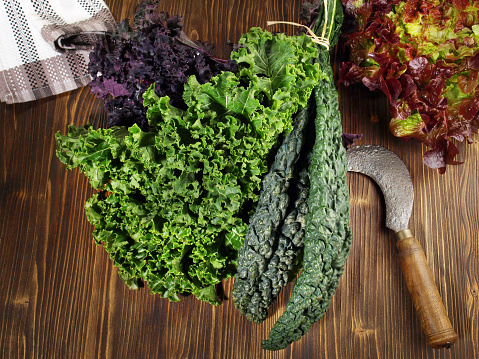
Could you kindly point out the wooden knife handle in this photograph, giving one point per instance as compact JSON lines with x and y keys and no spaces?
{"x":427,"y":301}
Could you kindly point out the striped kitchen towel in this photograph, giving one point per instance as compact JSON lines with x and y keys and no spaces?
{"x":45,"y":45}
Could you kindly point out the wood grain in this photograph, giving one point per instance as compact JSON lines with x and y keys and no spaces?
{"x":60,"y":296}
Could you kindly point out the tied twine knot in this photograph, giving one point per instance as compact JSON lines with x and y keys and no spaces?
{"x":321,"y":40}
{"x":316,"y":39}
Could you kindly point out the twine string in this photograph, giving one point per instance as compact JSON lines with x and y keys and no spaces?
{"x":321,"y":40}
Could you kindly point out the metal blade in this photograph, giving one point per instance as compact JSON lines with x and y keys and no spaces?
{"x":392,"y":176}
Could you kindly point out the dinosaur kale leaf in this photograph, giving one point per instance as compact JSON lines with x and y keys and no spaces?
{"x":275,"y":231}
{"x":327,"y":234}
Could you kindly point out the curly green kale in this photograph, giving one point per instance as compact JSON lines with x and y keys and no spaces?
{"x":171,"y":208}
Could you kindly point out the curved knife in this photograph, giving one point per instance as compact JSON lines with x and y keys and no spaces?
{"x":392,"y":176}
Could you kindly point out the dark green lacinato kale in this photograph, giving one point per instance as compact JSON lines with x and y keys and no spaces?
{"x":173,"y":201}
{"x":287,"y":258}
{"x":275,"y":232}
{"x":328,"y":235}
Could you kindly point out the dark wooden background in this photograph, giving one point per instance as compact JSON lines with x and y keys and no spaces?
{"x":60,"y":296}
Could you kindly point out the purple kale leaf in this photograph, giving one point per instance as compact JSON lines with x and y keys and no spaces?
{"x":350,"y":138}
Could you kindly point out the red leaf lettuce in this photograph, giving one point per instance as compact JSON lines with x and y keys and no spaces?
{"x":424,"y":56}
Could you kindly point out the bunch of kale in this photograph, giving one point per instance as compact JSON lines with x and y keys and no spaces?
{"x":172,"y":199}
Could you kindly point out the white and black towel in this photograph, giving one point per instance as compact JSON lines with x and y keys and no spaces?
{"x":45,"y":45}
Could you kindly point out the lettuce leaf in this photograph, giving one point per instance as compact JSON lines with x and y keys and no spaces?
{"x":173,"y":200}
{"x":424,"y":55}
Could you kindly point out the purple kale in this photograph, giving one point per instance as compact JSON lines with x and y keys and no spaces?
{"x":350,"y":138}
{"x":154,"y":49}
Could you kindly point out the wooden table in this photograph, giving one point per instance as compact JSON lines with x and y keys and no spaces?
{"x":60,"y":295}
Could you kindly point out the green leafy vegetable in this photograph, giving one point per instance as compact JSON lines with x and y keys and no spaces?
{"x":328,"y":234}
{"x":172,"y":201}
{"x":268,"y":256}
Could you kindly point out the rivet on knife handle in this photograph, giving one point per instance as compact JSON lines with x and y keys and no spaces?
{"x":427,"y":301}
